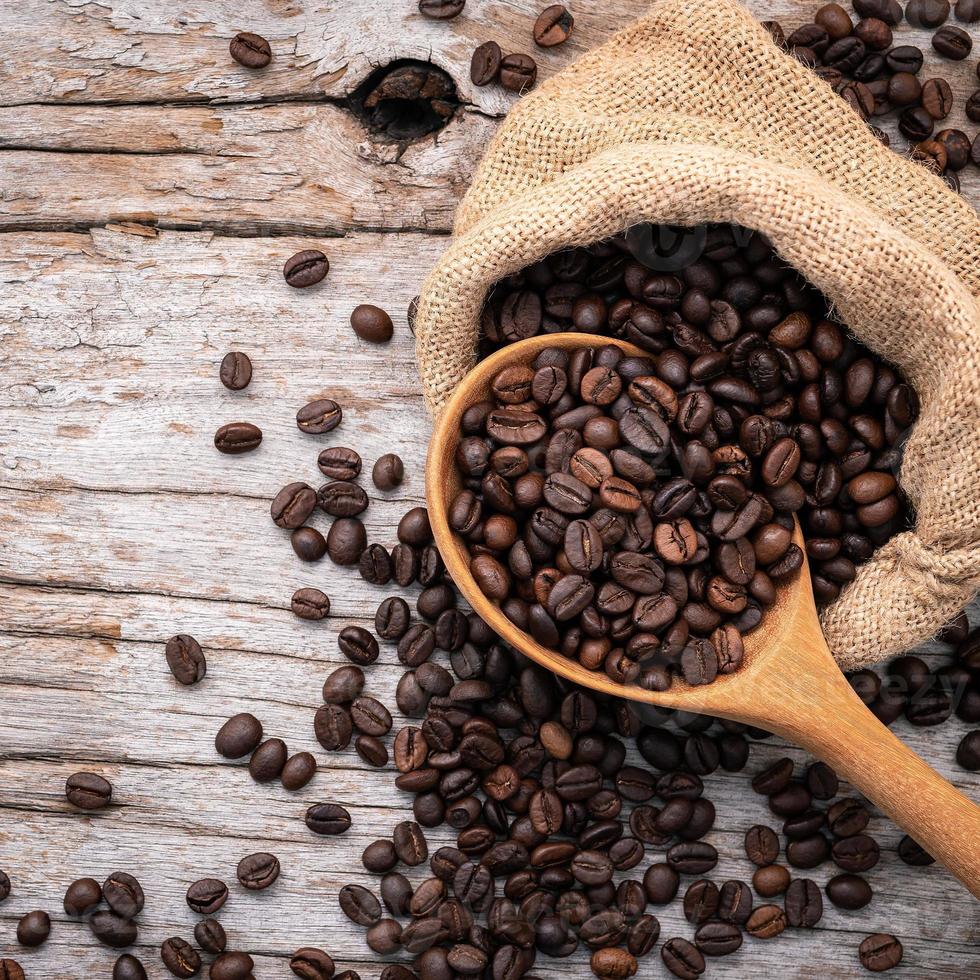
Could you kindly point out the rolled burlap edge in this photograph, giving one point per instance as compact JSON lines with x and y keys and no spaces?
{"x":896,"y":296}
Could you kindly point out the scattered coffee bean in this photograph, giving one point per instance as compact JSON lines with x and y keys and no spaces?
{"x":388,"y":472}
{"x":339,"y":463}
{"x":292,"y":506}
{"x":518,"y":72}
{"x":180,"y":957}
{"x":210,"y":936}
{"x":308,"y":543}
{"x":185,"y":658}
{"x":235,"y":371}
{"x":113,"y":930}
{"x":319,"y":416}
{"x":952,"y":42}
{"x":771,"y":880}
{"x":33,"y":928}
{"x":306,"y":268}
{"x":232,"y":966}
{"x":311,"y":604}
{"x":310,"y":963}
{"x":441,"y":9}
{"x":372,"y":324}
{"x":766,"y":922}
{"x":484,"y":69}
{"x":553,"y":26}
{"x":968,"y":11}
{"x":127,"y":967}
{"x":268,"y":760}
{"x":927,"y":13}
{"x":237,"y":437}
{"x":88,"y":791}
{"x":83,"y":896}
{"x":298,"y":771}
{"x":346,"y":541}
{"x":880,"y":952}
{"x":258,"y":871}
{"x":328,"y":819}
{"x":849,"y":892}
{"x":682,"y":959}
{"x":803,"y":904}
{"x":206,"y":896}
{"x":123,"y":894}
{"x":238,"y":736}
{"x":250,"y":50}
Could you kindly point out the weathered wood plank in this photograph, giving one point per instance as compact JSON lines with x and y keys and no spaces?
{"x":282,"y":168}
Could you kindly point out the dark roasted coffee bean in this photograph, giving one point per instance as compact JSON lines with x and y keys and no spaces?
{"x":346,"y":541}
{"x":904,"y":57}
{"x":803,"y":904}
{"x":927,"y":13}
{"x":761,"y":845}
{"x":342,"y":499}
{"x":258,"y":871}
{"x":310,"y":963}
{"x":372,"y":324}
{"x":518,"y":72}
{"x":358,"y":645}
{"x":880,"y":952}
{"x":766,"y":922}
{"x":82,"y":896}
{"x":33,"y":928}
{"x":268,"y":760}
{"x":186,"y":659}
{"x":968,"y":751}
{"x":206,"y":896}
{"x":210,"y":936}
{"x":238,"y":736}
{"x":410,"y":843}
{"x":310,"y":604}
{"x":441,"y":9}
{"x":320,"y":416}
{"x":856,"y":854}
{"x":125,"y":968}
{"x":339,"y":463}
{"x":235,"y":371}
{"x":553,"y":26}
{"x":305,"y":268}
{"x":88,"y":791}
{"x":250,"y":50}
{"x":113,"y":930}
{"x":682,"y":959}
{"x":850,"y":892}
{"x":237,"y":437}
{"x":485,"y":66}
{"x":308,"y":543}
{"x":232,"y":966}
{"x":952,"y":42}
{"x":359,"y":905}
{"x":123,"y":894}
{"x":890,"y":11}
{"x":388,"y":472}
{"x":180,"y":957}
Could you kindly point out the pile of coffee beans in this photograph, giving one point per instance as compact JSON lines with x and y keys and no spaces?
{"x":608,"y":498}
{"x":877,"y":76}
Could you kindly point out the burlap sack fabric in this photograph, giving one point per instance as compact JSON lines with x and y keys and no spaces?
{"x":694,"y":115}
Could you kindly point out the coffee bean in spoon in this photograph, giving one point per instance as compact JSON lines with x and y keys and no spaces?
{"x":372,"y":324}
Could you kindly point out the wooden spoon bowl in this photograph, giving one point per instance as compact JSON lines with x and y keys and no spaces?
{"x":789,"y":682}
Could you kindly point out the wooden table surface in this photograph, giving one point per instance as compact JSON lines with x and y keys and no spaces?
{"x":150,"y":190}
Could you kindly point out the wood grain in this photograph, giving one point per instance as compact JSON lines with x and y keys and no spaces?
{"x":119,"y":525}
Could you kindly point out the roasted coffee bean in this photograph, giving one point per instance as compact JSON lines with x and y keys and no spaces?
{"x":701,"y":901}
{"x":553,"y":26}
{"x":847,"y":818}
{"x":913,"y":853}
{"x":441,"y":9}
{"x":342,"y":499}
{"x":319,"y":416}
{"x":293,"y":505}
{"x":370,"y":716}
{"x":766,"y":922}
{"x":880,"y":952}
{"x":850,"y":892}
{"x":33,"y":928}
{"x":890,"y":11}
{"x":952,"y":42}
{"x":210,"y":936}
{"x":333,"y":727}
{"x":937,"y":98}
{"x":235,"y":371}
{"x":113,"y":930}
{"x":379,"y":856}
{"x":308,"y":543}
{"x":410,"y":843}
{"x":123,"y":894}
{"x":927,"y":13}
{"x":206,"y":896}
{"x":258,"y":871}
{"x":125,"y":968}
{"x":180,"y":957}
{"x":761,"y":845}
{"x":310,"y":604}
{"x":358,"y":645}
{"x":803,"y":904}
{"x":856,"y":854}
{"x":346,"y":541}
{"x":238,"y":736}
{"x":388,"y":472}
{"x":968,"y":751}
{"x":82,"y":896}
{"x":306,"y":268}
{"x":735,"y":902}
{"x":682,"y":959}
{"x":372,"y":324}
{"x":88,"y":791}
{"x":310,"y":963}
{"x":771,"y":880}
{"x":232,"y":966}
{"x":339,"y":463}
{"x":518,"y":72}
{"x":268,"y":760}
{"x":359,"y":905}
{"x":250,"y":50}
{"x":237,"y":437}
{"x":485,"y":66}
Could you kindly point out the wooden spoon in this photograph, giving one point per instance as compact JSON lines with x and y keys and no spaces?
{"x":789,"y":683}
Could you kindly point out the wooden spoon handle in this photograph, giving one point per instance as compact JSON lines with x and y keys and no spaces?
{"x":850,"y":739}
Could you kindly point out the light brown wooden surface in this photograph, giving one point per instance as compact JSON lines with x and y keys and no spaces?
{"x":120,"y":525}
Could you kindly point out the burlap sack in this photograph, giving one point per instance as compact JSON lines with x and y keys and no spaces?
{"x":694,"y":115}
